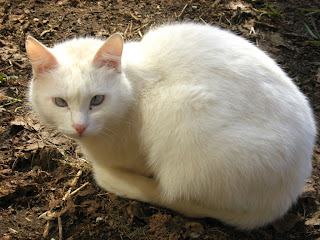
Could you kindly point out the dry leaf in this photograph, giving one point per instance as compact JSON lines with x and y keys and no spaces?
{"x":315,"y":220}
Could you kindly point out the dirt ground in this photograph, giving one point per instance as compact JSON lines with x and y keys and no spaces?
{"x":46,"y":186}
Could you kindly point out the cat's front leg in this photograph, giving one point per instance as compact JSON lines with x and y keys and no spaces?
{"x":127,"y":184}
{"x":135,"y":186}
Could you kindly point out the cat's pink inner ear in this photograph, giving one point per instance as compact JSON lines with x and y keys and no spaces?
{"x":109,"y":54}
{"x":41,"y":58}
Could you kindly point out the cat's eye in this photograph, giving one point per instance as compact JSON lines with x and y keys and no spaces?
{"x":96,"y":100}
{"x":60,"y":102}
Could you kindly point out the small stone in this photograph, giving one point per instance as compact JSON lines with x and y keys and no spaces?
{"x":99,"y":219}
{"x":194,"y":235}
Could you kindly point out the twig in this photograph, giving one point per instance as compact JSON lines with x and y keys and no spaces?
{"x":143,"y":26}
{"x":13,"y":230}
{"x":130,"y":28}
{"x":215,"y":3}
{"x":17,"y":64}
{"x":182,"y":11}
{"x":75,"y":180}
{"x":145,"y":235}
{"x":73,"y":183}
{"x":252,"y":31}
{"x":203,"y":21}
{"x":266,"y":24}
{"x":127,"y":28}
{"x":14,"y":163}
{"x":46,"y":230}
{"x":48,"y":215}
{"x":67,"y":195}
{"x":46,"y":31}
{"x":60,"y":228}
{"x":5,"y":68}
{"x":134,"y":16}
{"x":79,"y":189}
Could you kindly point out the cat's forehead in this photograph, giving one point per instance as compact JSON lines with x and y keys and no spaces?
{"x":76,"y":77}
{"x":82,"y":83}
{"x":77,"y":49}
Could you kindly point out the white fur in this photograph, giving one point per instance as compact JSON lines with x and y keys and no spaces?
{"x":199,"y":120}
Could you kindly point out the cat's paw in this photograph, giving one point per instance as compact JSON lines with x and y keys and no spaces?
{"x":127,"y":184}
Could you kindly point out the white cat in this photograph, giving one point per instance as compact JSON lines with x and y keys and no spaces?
{"x":192,"y":118}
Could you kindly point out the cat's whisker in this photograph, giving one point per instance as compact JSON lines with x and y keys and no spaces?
{"x":102,"y":137}
{"x":107,"y":131}
{"x":129,"y":123}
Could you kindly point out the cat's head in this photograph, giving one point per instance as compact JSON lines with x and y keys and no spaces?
{"x":78,"y":86}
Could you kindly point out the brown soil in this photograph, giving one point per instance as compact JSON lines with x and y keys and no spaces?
{"x":40,"y":169}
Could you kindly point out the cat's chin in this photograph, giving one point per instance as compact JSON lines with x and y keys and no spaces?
{"x":77,"y":136}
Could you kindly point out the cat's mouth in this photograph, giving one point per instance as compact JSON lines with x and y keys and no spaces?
{"x":76,"y":135}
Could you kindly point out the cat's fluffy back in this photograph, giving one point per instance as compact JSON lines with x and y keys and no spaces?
{"x":224,"y":66}
{"x":222,"y":114}
{"x":190,"y":46}
{"x":189,"y":42}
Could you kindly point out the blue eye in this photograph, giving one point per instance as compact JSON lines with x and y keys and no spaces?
{"x":60,"y":102}
{"x":96,"y":100}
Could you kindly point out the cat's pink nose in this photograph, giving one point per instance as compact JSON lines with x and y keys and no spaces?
{"x":80,"y":128}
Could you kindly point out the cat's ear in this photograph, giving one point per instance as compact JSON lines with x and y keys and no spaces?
{"x":41,"y":58}
{"x":110,"y":52}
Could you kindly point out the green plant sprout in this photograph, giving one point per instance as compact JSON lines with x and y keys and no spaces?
{"x":313,"y":30}
{"x":272,"y":12}
{"x":5,"y":78}
{"x":14,"y":100}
